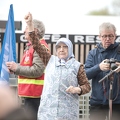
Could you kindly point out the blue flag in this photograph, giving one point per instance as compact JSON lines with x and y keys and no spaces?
{"x":8,"y":52}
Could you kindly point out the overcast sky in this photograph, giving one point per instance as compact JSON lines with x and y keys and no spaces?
{"x":59,"y":16}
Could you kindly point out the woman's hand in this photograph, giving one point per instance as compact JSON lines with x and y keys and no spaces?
{"x":73,"y":90}
{"x":29,"y":21}
{"x":28,"y":18}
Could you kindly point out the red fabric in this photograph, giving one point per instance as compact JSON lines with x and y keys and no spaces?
{"x":27,"y":57}
{"x":30,"y":90}
{"x":43,"y":42}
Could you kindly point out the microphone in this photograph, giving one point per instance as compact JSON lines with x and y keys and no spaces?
{"x":111,"y":72}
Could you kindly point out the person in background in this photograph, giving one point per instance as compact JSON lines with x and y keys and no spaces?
{"x":10,"y":107}
{"x":19,"y":114}
{"x":65,"y":79}
{"x":30,"y":71}
{"x":98,"y":64}
{"x":8,"y":101}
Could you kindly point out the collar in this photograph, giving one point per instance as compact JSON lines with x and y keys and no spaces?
{"x":66,"y":64}
{"x":112,"y":46}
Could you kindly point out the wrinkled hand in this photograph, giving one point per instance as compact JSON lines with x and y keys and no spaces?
{"x":104,"y":66}
{"x":73,"y":90}
{"x":28,"y":18}
{"x":12,"y":66}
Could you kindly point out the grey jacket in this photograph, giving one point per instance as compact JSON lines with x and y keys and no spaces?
{"x":34,"y":71}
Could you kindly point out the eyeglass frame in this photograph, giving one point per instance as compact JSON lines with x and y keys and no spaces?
{"x":109,"y":36}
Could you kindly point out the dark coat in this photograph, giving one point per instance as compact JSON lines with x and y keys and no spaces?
{"x":95,"y":57}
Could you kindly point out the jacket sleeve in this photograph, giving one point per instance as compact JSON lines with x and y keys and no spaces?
{"x":34,"y":71}
{"x":83,"y":80}
{"x":40,"y":49}
{"x":91,"y":67}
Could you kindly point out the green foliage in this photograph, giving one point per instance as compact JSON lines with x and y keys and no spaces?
{"x":102,"y":12}
{"x":115,"y":6}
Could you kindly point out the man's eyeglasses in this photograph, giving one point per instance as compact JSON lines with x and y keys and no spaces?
{"x":109,"y":36}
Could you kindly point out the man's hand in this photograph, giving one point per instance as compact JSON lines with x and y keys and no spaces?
{"x":118,"y":64}
{"x":104,"y":65}
{"x":12,"y":66}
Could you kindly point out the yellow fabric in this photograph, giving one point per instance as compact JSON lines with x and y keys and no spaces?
{"x":28,"y":96}
{"x":30,"y":81}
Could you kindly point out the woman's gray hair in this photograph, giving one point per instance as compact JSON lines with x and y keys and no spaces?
{"x":40,"y":27}
{"x":107,"y":26}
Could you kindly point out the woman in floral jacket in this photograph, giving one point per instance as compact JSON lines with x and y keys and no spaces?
{"x":65,"y":79}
